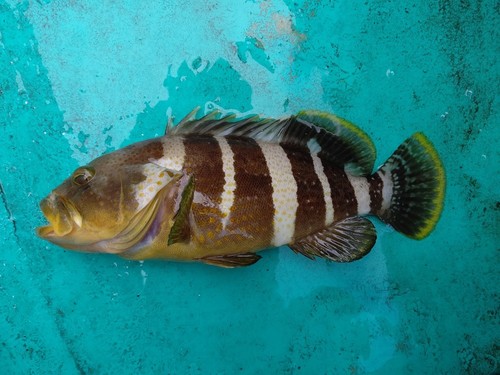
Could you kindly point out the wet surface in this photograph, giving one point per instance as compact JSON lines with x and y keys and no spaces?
{"x":77,"y":81}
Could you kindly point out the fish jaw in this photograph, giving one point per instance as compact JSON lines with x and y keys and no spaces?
{"x":65,"y":227}
{"x":59,"y":213}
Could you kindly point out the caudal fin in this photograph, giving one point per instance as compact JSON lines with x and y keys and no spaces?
{"x":414,"y":186}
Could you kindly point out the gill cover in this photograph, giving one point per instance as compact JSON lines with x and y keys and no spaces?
{"x":145,"y":225}
{"x":164,"y":222}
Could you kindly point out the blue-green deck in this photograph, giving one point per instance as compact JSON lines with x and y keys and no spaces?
{"x":81,"y":78}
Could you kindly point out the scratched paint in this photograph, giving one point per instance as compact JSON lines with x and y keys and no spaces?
{"x":82,"y":78}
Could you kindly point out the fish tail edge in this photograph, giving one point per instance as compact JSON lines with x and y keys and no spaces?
{"x":418,"y":181}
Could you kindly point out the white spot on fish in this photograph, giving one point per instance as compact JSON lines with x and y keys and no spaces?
{"x":386,"y":190}
{"x":327,"y":193}
{"x":173,"y":154}
{"x":227,"y":198}
{"x":284,"y":192}
{"x":156,"y":179}
{"x":313,"y":146}
{"x":362,"y":193}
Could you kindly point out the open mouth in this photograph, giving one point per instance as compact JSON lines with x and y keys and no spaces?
{"x":61,"y":215}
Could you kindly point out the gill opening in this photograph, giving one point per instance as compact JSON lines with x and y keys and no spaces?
{"x":137,"y":227}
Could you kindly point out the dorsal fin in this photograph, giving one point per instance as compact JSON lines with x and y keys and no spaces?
{"x":341,"y":142}
{"x":214,"y":123}
{"x":335,"y":139}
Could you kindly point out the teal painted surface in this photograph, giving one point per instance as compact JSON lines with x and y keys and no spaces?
{"x":81,"y":78}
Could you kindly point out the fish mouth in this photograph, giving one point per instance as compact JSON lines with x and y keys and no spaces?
{"x":62,"y":215}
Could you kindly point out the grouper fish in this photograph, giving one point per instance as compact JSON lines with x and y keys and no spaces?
{"x":219,"y":189}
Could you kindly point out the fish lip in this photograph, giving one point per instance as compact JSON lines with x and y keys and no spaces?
{"x":56,"y":207}
{"x":45,"y":231}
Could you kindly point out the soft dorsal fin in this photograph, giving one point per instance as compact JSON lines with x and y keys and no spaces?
{"x":335,"y":139}
{"x":181,"y":230}
{"x":344,"y":241}
{"x":231,"y":260}
{"x":341,"y":142}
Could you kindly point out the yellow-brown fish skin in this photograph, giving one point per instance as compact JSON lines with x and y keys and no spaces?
{"x":218,"y":190}
{"x":106,"y":203}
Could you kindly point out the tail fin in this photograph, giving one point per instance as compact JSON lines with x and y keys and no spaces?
{"x":414,"y":186}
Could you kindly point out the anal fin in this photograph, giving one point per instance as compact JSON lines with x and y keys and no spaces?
{"x":231,"y":260}
{"x":344,"y":241}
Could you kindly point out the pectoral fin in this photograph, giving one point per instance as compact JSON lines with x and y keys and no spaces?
{"x":181,"y":229}
{"x":344,"y":241}
{"x":231,"y":260}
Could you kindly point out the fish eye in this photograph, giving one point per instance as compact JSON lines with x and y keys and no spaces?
{"x":83,"y":175}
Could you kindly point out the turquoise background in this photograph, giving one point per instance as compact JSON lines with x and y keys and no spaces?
{"x":81,"y":78}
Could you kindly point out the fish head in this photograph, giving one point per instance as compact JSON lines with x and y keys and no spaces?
{"x":109,"y":205}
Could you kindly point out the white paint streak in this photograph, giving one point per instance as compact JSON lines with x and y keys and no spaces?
{"x":227,"y":198}
{"x":20,"y":84}
{"x":362,"y":193}
{"x":284,"y":192}
{"x":90,"y":68}
{"x":386,"y":189}
{"x":327,"y":193}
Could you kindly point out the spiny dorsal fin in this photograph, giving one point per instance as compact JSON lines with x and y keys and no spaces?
{"x":214,"y":123}
{"x":344,"y":241}
{"x":335,"y":139}
{"x":181,"y":230}
{"x":231,"y":260}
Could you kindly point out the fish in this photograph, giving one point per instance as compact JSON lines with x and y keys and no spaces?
{"x":219,"y":189}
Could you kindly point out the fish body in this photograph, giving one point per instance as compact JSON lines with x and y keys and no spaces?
{"x":218,"y":190}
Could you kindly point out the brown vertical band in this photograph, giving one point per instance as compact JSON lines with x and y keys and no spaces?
{"x":311,"y":210}
{"x":141,"y":152}
{"x":343,"y":196}
{"x":252,"y":213}
{"x":203,"y":160}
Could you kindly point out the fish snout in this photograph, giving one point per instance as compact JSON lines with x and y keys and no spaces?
{"x":61,"y":215}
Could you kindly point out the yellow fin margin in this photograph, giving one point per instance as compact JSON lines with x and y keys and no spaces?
{"x":438,"y":201}
{"x":363,"y":160}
